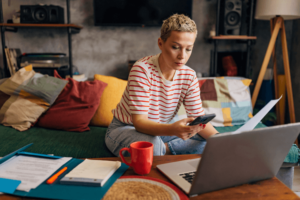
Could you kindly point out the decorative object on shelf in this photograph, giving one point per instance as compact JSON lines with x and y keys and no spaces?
{"x":231,"y":17}
{"x":277,"y":11}
{"x":229,"y":66}
{"x":42,"y":14}
{"x":16,"y":17}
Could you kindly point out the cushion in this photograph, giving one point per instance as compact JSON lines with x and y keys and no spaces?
{"x":25,"y":96}
{"x":74,"y":107}
{"x":2,"y":80}
{"x":228,"y":97}
{"x":110,"y":98}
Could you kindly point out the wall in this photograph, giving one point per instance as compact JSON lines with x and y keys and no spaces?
{"x":106,"y":50}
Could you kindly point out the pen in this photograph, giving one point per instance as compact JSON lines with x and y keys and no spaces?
{"x":55,"y":176}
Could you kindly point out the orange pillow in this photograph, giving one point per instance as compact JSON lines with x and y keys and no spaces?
{"x":111,"y":96}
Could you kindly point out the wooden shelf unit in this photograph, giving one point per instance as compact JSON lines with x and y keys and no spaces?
{"x":13,"y":27}
{"x":41,"y":25}
{"x":247,"y":38}
{"x":234,"y":37}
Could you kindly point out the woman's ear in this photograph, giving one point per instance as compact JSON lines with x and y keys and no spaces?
{"x":160,"y":43}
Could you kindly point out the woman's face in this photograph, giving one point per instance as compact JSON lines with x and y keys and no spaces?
{"x":177,"y":49}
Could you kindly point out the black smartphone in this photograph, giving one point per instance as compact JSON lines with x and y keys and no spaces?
{"x":202,"y":119}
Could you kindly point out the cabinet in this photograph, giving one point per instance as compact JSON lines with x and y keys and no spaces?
{"x":242,"y":56}
{"x":70,"y":28}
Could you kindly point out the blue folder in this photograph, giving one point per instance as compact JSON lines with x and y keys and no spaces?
{"x":57,"y":190}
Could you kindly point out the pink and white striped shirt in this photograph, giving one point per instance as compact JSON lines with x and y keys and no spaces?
{"x":149,"y":93}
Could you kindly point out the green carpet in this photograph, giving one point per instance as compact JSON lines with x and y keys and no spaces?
{"x":89,"y":144}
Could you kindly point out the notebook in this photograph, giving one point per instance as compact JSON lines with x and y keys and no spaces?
{"x":91,"y":173}
{"x":233,"y":159}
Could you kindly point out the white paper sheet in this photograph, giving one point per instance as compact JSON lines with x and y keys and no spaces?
{"x":250,"y":125}
{"x":32,"y":171}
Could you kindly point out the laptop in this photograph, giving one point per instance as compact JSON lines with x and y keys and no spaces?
{"x":233,"y":159}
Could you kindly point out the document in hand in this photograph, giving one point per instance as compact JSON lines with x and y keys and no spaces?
{"x":250,"y":125}
{"x":91,"y":173}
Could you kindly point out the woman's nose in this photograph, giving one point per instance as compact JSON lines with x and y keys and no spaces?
{"x":181,"y":55}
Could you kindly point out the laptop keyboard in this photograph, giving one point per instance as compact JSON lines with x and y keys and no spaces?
{"x":189,"y":176}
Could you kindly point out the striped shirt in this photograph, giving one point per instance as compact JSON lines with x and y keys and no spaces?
{"x":149,"y":93}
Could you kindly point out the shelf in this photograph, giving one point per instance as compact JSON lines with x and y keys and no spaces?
{"x":234,"y":37}
{"x":42,"y":25}
{"x":14,"y":27}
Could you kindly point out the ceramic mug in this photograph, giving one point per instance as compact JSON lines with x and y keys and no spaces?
{"x":141,"y":154}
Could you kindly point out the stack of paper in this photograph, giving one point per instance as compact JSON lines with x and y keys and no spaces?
{"x":91,"y":172}
{"x":31,"y":171}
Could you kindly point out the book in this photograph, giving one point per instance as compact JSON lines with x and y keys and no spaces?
{"x":9,"y":66}
{"x":91,"y":173}
{"x":13,"y":59}
{"x":78,"y":77}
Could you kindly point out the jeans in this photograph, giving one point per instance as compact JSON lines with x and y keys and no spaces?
{"x":120,"y":135}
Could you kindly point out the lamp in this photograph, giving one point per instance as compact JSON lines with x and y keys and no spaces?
{"x":277,"y":11}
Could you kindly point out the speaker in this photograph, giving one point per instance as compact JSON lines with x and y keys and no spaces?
{"x":230,"y":17}
{"x":42,"y":14}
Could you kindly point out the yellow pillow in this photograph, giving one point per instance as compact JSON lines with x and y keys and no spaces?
{"x":111,"y":96}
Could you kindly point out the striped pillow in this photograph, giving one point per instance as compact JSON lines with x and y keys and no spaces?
{"x":25,"y":96}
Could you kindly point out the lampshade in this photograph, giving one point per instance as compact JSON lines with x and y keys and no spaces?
{"x":287,"y":9}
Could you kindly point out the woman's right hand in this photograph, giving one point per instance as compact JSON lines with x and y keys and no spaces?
{"x":183,"y":131}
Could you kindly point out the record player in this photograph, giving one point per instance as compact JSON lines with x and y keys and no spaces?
{"x":45,"y":60}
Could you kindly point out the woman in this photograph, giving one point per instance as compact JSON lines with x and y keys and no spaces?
{"x":157,"y":86}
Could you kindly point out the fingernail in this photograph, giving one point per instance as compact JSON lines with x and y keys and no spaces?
{"x":204,"y":125}
{"x":200,"y":124}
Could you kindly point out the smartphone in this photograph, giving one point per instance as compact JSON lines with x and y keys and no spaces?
{"x":202,"y":119}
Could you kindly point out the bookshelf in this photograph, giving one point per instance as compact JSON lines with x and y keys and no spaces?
{"x":13,"y":27}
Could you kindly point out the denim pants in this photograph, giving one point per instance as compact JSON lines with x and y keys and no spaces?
{"x":120,"y":135}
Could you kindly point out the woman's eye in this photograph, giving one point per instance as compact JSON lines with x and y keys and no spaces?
{"x":189,"y":50}
{"x":174,"y":47}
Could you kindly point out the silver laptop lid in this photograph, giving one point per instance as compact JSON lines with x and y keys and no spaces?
{"x":234,"y":159}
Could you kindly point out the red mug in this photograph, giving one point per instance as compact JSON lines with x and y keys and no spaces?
{"x":141,"y":154}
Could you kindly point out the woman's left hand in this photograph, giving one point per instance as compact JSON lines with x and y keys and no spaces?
{"x":196,"y":129}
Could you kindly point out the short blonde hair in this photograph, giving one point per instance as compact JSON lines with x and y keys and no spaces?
{"x":177,"y":23}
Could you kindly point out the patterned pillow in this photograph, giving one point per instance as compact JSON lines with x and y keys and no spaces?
{"x":25,"y":96}
{"x":228,"y":97}
{"x":2,"y":80}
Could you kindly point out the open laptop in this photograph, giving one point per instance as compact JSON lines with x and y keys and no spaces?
{"x":234,"y":159}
